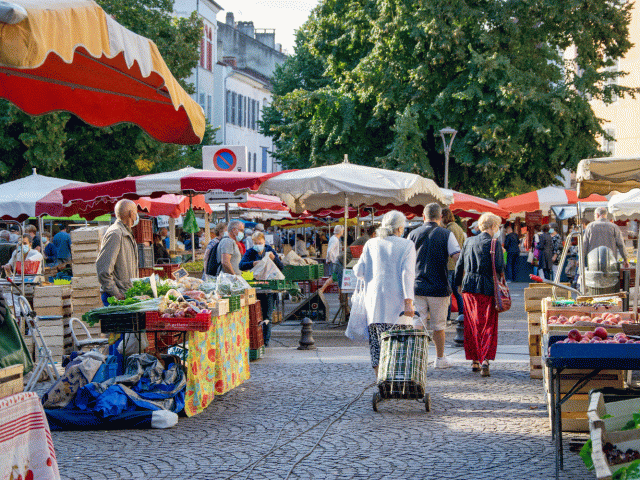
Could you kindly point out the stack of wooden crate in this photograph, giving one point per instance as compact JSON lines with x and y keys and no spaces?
{"x":85,"y":244}
{"x":53,"y":305}
{"x":574,"y":410}
{"x":533,"y":297}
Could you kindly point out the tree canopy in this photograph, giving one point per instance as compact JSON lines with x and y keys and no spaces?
{"x":378,"y":79}
{"x":61,"y":144}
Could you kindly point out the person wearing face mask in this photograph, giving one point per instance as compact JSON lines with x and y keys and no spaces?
{"x":117,"y":261}
{"x":62,"y":241}
{"x":388,"y":267}
{"x":474,"y":229}
{"x":250,"y":259}
{"x":474,"y":273}
{"x":24,"y":251}
{"x":50,"y":251}
{"x":228,"y":251}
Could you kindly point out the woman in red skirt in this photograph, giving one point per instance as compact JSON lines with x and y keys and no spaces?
{"x":474,"y":273}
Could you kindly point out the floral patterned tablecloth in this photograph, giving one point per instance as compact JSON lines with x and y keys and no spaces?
{"x":218,"y":360}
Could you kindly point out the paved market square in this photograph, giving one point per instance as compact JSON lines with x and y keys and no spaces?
{"x":308,"y":415}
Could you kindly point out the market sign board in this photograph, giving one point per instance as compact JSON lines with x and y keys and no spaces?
{"x":225,"y":158}
{"x":348,"y":280}
{"x":220,"y":196}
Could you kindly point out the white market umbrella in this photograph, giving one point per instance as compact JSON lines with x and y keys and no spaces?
{"x":607,"y":174}
{"x":347,"y":184}
{"x":625,"y":206}
{"x":19,"y":198}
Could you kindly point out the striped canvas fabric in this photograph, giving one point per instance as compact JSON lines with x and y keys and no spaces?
{"x":404,"y":355}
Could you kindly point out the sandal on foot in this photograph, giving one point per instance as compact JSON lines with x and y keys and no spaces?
{"x":484,"y":371}
{"x":475,"y":367}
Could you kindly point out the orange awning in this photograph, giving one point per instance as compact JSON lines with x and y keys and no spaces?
{"x":69,"y":55}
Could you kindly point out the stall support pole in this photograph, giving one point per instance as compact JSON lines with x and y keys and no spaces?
{"x":226,"y":213}
{"x":207,"y":229}
{"x":581,"y":252}
{"x":635,"y":287}
{"x":172,"y":233}
{"x":346,"y":226}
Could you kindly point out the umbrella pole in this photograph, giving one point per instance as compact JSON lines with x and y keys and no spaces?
{"x":193,"y":235}
{"x":346,"y":226}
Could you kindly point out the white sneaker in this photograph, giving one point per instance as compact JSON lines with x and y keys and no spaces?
{"x":441,"y":362}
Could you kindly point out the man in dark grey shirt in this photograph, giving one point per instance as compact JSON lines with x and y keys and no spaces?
{"x":602,"y":232}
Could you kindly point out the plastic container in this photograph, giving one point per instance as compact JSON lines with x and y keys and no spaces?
{"x":145,"y":256}
{"x":31,"y":267}
{"x":143,"y":232}
{"x":122,"y":322}
{"x":356,"y":251}
{"x":200,"y":323}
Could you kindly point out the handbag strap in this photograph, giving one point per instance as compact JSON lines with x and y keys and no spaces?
{"x":494,"y":241}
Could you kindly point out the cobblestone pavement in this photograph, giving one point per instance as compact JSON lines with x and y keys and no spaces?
{"x":478,"y":428}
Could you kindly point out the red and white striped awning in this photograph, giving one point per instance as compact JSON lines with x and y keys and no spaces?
{"x":544,"y":199}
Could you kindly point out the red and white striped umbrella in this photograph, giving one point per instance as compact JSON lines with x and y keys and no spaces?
{"x":184,"y":181}
{"x":544,"y":199}
{"x":468,"y":206}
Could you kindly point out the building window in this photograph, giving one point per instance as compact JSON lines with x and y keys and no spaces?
{"x":209,"y":102}
{"x":246,"y":111}
{"x":202,"y":48}
{"x":209,"y":49}
{"x":239,"y":123}
{"x":610,"y":145}
{"x":201,"y":101}
{"x":233,"y":108}
{"x":228,"y":109}
{"x":255,"y":164}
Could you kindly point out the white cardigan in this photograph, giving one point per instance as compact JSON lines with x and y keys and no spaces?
{"x":388,"y":267}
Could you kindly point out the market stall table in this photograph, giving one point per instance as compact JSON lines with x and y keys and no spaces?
{"x":592,"y":357}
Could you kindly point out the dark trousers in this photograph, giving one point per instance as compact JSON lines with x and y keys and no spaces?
{"x":512,"y":260}
{"x":456,"y":293}
{"x":266,"y":304}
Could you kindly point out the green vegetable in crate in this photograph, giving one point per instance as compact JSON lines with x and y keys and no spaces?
{"x":92,"y":317}
{"x":143,"y":287}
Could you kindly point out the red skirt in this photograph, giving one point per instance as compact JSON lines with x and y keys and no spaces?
{"x":480,"y":327}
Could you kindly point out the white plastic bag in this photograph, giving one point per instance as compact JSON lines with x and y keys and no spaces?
{"x":267,"y":270}
{"x":358,"y":328}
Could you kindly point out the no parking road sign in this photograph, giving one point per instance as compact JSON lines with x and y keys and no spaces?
{"x":225,"y":158}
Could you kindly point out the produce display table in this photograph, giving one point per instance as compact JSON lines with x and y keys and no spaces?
{"x":591,"y":357}
{"x":218,"y":360}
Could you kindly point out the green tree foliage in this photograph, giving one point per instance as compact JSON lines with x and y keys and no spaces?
{"x":378,"y":79}
{"x":63,"y":145}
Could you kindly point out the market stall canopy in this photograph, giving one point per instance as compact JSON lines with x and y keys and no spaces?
{"x":468,"y":206}
{"x":298,"y":223}
{"x":326,"y":187}
{"x":171,"y":205}
{"x":184,"y":181}
{"x":68,"y":55}
{"x":29,"y":197}
{"x":544,"y":199}
{"x":605,"y":175}
{"x":625,"y":206}
{"x":564,"y":212}
{"x":263,"y":202}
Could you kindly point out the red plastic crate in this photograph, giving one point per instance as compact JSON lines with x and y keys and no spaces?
{"x":165,"y":340}
{"x":356,"y":251}
{"x":255,"y":313}
{"x":143,"y":232}
{"x":145,"y":272}
{"x":167,"y":269}
{"x":30,"y":267}
{"x":200,"y":323}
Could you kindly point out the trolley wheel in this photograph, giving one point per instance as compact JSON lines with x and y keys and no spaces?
{"x":374,"y":401}
{"x":427,"y":402}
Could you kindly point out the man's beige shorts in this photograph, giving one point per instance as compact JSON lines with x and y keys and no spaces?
{"x":438,"y":307}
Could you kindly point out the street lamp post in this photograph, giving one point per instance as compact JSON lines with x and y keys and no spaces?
{"x":447,"y":148}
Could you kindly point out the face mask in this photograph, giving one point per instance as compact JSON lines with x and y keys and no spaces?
{"x":25,"y":248}
{"x":551,"y":230}
{"x":497,"y":234}
{"x":225,"y":234}
{"x":259,"y":248}
{"x":240,"y":236}
{"x":135,"y":222}
{"x":474,"y":231}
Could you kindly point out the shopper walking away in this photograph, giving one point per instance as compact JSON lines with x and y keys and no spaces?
{"x":219,"y":231}
{"x":332,"y":266}
{"x":449,"y":221}
{"x":62,"y":241}
{"x":387,"y":265}
{"x":250,"y":259}
{"x":545,"y":245}
{"x":435,"y":245}
{"x":512,"y":247}
{"x":228,"y":252}
{"x":474,"y":272}
{"x":117,"y":261}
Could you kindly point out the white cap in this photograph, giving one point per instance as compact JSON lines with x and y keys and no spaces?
{"x":260,"y":227}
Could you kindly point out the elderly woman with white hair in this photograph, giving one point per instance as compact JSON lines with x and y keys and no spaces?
{"x":474,"y":271}
{"x":388,"y":266}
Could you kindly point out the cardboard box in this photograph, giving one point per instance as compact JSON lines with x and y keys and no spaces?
{"x":222,"y":308}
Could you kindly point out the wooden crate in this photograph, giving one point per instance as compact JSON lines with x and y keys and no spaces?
{"x":250,"y":295}
{"x":85,"y":282}
{"x":535,"y":341}
{"x":84,"y":257}
{"x":87,"y":235}
{"x":11,"y":380}
{"x":574,"y":413}
{"x":535,"y":367}
{"x":61,"y":311}
{"x":86,"y":292}
{"x":533,"y":321}
{"x":84,"y":247}
{"x":606,"y":378}
{"x":51,"y":302}
{"x":52,"y":291}
{"x":538,"y":291}
{"x":84,"y":270}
